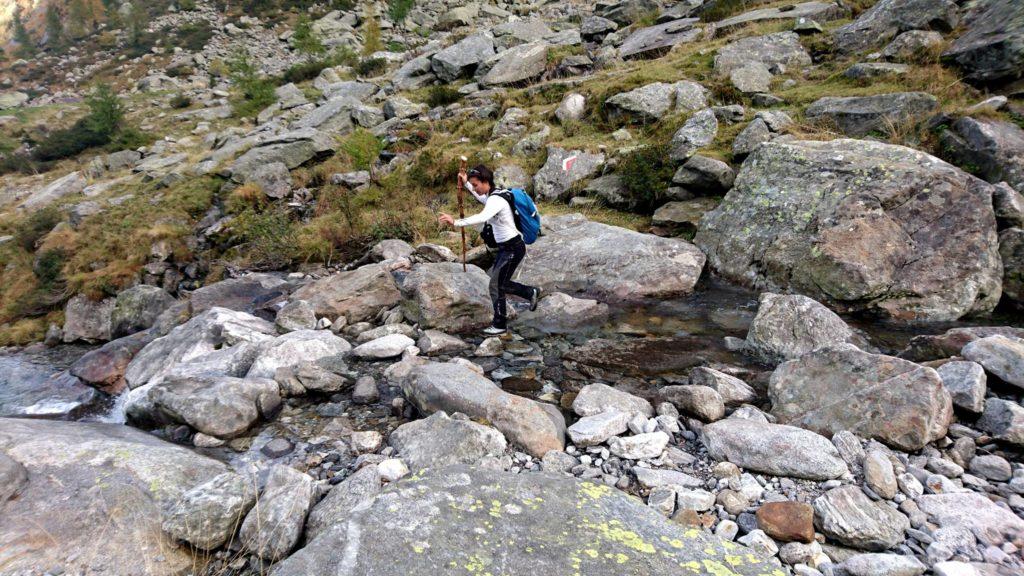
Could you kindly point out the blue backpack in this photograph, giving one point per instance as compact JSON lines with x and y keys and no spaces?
{"x":525,"y":213}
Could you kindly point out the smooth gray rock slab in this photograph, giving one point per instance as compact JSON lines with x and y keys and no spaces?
{"x":848,"y":516}
{"x":861,"y":115}
{"x":440,"y":440}
{"x":788,"y":326}
{"x":539,"y":523}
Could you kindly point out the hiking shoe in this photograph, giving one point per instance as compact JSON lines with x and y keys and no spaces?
{"x":534,"y":299}
{"x":494,"y":331}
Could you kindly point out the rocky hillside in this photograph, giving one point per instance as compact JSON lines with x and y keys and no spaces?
{"x":783,"y":266}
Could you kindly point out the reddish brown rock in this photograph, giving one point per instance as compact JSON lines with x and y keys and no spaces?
{"x":787,"y":521}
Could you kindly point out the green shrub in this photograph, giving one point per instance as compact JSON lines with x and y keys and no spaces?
{"x":442,"y":95}
{"x":19,"y":162}
{"x":186,"y":5}
{"x":371,"y":67}
{"x":67,"y":142}
{"x":49,"y":266}
{"x":342,"y":56}
{"x":106,"y":114}
{"x":268,"y":239}
{"x":399,"y":9}
{"x":362,"y":148}
{"x":306,"y":40}
{"x":179,"y":101}
{"x":343,"y":5}
{"x":193,"y":37}
{"x":396,"y":46}
{"x":254,"y":91}
{"x":38,"y":224}
{"x":646,"y":173}
{"x":130,"y":139}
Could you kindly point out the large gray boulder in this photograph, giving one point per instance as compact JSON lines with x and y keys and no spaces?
{"x":441,"y":296}
{"x":88,"y":320}
{"x":517,"y":65}
{"x":67,"y":185}
{"x":697,"y":132}
{"x":916,"y":240}
{"x":560,"y":313}
{"x":816,"y":11}
{"x":295,"y":348}
{"x":462,"y":58}
{"x":874,"y":396}
{"x":208,"y":515}
{"x":335,"y":508}
{"x":273,"y":527}
{"x":657,"y":40}
{"x":990,"y":523}
{"x":1004,"y":420}
{"x":562,"y":169}
{"x":219,"y":406}
{"x":534,"y":523}
{"x":37,"y":389}
{"x":848,"y":516}
{"x":293,"y":149}
{"x":788,"y":326}
{"x":772,"y":50}
{"x":580,"y":257}
{"x":653,"y":101}
{"x":87,"y":476}
{"x":888,"y":18}
{"x":927,"y":347}
{"x":204,"y":334}
{"x":773,"y":449}
{"x":137,"y":308}
{"x":991,"y":51}
{"x":993,"y":149}
{"x":861,"y":115}
{"x":439,"y":440}
{"x":242,"y":294}
{"x":357,"y":295}
{"x":449,"y":387}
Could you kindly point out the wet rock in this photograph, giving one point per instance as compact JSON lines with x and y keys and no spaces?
{"x":365,"y":391}
{"x":1001,"y":356}
{"x":992,"y":48}
{"x":789,"y":326}
{"x":966,"y":384}
{"x":787,"y":521}
{"x":771,"y":51}
{"x":773,"y":449}
{"x":273,"y":527}
{"x":875,"y":396}
{"x":850,"y":252}
{"x":702,"y":402}
{"x":888,"y":18}
{"x":137,"y":309}
{"x":357,"y":295}
{"x":562,"y":169}
{"x":63,"y":494}
{"x":927,"y":347}
{"x":578,"y":257}
{"x":442,"y":296}
{"x":560,"y":313}
{"x":848,"y":516}
{"x":294,"y":348}
{"x":595,"y":399}
{"x":596,"y":429}
{"x":208,"y":515}
{"x":439,"y":441}
{"x":448,"y":387}
{"x":104,"y":367}
{"x":337,"y":506}
{"x":861,"y":115}
{"x":572,"y":511}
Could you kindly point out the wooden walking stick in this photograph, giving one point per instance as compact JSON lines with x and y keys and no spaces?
{"x":462,"y":209}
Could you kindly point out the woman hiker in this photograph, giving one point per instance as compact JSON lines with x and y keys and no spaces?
{"x":497,"y":214}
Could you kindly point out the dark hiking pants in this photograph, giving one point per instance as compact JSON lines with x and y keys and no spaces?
{"x":510,"y":254}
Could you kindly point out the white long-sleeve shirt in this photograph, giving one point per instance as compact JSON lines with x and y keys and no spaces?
{"x":496,"y":212}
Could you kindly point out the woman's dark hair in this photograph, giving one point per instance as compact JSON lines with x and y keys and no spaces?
{"x":482,"y":173}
